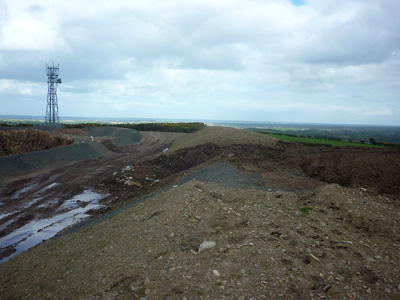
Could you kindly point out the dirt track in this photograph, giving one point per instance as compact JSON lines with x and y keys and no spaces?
{"x":283,"y":226}
{"x":28,"y":198}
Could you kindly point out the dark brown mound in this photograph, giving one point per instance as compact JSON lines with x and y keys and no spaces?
{"x":376,"y":168}
{"x":23,"y":141}
{"x":299,"y":168}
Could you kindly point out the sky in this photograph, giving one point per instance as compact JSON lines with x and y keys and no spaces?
{"x":311,"y":61}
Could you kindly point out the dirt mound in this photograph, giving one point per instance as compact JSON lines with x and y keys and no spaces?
{"x":119,"y":137}
{"x":72,"y":131}
{"x":292,"y":169}
{"x":276,"y":228}
{"x":223,"y":136}
{"x":108,"y":131}
{"x":23,"y":141}
{"x":89,"y":144}
{"x":126,"y":137}
{"x":375,"y":168}
{"x":13,"y":165}
{"x":268,"y":245}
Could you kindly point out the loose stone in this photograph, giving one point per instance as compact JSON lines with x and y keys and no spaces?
{"x":326,"y":287}
{"x":216,"y":273}
{"x":370,"y":259}
{"x":206,"y":245}
{"x":348,"y":242}
{"x":147,"y":281}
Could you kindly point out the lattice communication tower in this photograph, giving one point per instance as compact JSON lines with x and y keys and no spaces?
{"x":52,"y":118}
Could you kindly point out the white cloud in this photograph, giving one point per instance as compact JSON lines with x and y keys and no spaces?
{"x":19,"y":87}
{"x":206,"y":59}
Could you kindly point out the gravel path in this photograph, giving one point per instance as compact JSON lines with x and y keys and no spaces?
{"x":221,"y":173}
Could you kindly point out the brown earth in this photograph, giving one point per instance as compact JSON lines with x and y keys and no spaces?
{"x":71,"y":178}
{"x":23,"y":141}
{"x":288,"y":222}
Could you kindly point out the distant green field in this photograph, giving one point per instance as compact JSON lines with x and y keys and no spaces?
{"x":281,"y":128}
{"x":319,"y":141}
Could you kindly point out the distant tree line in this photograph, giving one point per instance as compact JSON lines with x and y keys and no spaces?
{"x":166,"y":127}
{"x":13,"y":124}
{"x":163,"y":127}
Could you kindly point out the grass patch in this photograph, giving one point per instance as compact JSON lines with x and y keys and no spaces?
{"x":306,"y":209}
{"x":315,"y":141}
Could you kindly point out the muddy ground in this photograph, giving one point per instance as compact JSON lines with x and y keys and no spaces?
{"x":288,"y":222}
{"x":43,"y":193}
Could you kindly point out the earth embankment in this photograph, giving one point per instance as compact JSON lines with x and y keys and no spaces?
{"x":38,"y":189}
{"x":23,"y":141}
{"x":84,"y":148}
{"x":284,"y":222}
{"x":29,"y":162}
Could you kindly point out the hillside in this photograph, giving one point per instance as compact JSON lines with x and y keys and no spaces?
{"x":282,"y":221}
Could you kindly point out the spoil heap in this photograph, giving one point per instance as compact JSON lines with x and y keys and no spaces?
{"x":277,"y":225}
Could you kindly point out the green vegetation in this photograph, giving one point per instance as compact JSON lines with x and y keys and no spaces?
{"x":184,"y":127}
{"x":358,"y":134}
{"x":318,"y":141}
{"x":306,"y":210}
{"x":166,"y":127}
{"x":163,"y":127}
{"x":14,"y":124}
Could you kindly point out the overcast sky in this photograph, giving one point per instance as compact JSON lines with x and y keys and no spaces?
{"x":325,"y":61}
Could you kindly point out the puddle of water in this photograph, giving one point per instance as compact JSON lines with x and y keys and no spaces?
{"x":24,"y":190}
{"x":31,"y":203}
{"x":50,"y":186}
{"x":86,"y":196}
{"x":30,"y":187}
{"x":18,"y":210}
{"x":39,"y":230}
{"x":2,"y":216}
{"x":49,"y":203}
{"x":4,"y":225}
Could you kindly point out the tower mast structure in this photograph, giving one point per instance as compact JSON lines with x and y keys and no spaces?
{"x":52,"y":117}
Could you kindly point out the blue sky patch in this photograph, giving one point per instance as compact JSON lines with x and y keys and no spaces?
{"x":297,"y":2}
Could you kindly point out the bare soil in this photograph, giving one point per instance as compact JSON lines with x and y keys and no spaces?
{"x":24,"y":198}
{"x":288,"y":222}
{"x":23,"y":141}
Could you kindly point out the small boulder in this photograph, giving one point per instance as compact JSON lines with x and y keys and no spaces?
{"x":206,"y":245}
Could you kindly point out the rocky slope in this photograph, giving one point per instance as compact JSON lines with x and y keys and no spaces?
{"x":23,"y":141}
{"x":280,"y":221}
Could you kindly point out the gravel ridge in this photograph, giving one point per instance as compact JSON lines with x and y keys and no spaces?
{"x":223,"y":174}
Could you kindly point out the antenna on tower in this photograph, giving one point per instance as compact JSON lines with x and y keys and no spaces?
{"x":52,"y":118}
